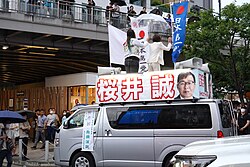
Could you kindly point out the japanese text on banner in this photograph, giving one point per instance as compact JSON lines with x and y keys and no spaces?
{"x":180,"y":15}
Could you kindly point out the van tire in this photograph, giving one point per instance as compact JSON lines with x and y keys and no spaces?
{"x":166,"y":162}
{"x":84,"y":158}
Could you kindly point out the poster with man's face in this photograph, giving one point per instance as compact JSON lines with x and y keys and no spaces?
{"x":150,"y":86}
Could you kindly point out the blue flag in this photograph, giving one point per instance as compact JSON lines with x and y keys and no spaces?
{"x":180,"y":15}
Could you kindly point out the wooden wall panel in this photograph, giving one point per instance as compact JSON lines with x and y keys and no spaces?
{"x":38,"y":98}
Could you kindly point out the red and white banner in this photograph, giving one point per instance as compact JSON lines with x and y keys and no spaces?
{"x":116,"y":40}
{"x":160,"y":85}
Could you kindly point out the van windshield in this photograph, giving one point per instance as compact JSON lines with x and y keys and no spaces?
{"x":161,"y":117}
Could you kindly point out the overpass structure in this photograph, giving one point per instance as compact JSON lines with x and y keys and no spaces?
{"x":38,"y":41}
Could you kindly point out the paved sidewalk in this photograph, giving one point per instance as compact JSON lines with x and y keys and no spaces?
{"x":36,"y":157}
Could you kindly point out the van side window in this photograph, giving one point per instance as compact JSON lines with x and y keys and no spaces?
{"x":78,"y":119}
{"x":161,"y":117}
{"x":225,"y":115}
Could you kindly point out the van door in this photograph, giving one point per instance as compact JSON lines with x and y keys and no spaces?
{"x":228,"y":121}
{"x":71,"y":133}
{"x":127,"y":137}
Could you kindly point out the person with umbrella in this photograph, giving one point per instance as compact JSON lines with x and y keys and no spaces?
{"x":24,"y":135}
{"x":4,"y":152}
{"x":7,"y":117}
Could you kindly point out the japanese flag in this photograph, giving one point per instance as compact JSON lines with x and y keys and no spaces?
{"x":116,"y":40}
{"x":141,"y":33}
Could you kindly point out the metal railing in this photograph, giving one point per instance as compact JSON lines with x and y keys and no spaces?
{"x":65,"y":10}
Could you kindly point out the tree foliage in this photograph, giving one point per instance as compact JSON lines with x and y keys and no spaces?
{"x":223,"y":42}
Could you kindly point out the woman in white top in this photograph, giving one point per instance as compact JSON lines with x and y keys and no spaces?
{"x":156,"y":53}
{"x":131,"y":49}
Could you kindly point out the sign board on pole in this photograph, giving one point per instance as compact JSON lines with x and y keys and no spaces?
{"x":88,"y":127}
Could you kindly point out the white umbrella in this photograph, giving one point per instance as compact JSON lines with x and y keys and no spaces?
{"x":151,"y":16}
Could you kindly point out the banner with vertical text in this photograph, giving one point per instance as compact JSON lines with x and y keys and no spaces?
{"x":88,"y":134}
{"x":179,"y":35}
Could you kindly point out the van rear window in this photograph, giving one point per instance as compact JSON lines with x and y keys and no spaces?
{"x":160,"y":117}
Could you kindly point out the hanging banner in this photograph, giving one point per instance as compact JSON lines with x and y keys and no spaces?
{"x":142,"y":33}
{"x":180,"y":15}
{"x":88,"y":128}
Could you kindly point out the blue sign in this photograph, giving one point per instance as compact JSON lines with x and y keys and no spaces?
{"x":180,"y":15}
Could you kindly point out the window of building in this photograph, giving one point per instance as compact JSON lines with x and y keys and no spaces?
{"x":81,"y":95}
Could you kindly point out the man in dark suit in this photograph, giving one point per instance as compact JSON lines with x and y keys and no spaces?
{"x":185,"y":85}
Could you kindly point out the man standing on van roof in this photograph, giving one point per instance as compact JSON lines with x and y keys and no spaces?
{"x":185,"y":85}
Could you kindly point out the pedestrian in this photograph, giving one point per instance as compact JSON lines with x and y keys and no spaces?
{"x":131,"y":50}
{"x":64,"y":116}
{"x":40,"y":132}
{"x":131,"y":11}
{"x":156,"y":53}
{"x":34,"y":124}
{"x":168,"y":19}
{"x":143,"y":11}
{"x":91,"y":4}
{"x":109,"y":8}
{"x":115,"y":15}
{"x":51,"y":122}
{"x":243,"y":122}
{"x":24,"y":135}
{"x":4,"y":151}
{"x":13,"y":134}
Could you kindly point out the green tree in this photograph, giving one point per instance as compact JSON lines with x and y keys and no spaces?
{"x":224,"y":44}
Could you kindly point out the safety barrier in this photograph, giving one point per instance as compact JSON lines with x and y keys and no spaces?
{"x":45,"y":159}
{"x":65,"y":10}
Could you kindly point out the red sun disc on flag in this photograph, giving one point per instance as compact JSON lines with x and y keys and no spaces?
{"x":180,"y":10}
{"x":141,"y":34}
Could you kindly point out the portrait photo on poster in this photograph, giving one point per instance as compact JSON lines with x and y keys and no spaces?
{"x":186,"y":85}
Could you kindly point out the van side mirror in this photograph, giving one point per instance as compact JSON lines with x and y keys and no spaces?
{"x":65,"y":125}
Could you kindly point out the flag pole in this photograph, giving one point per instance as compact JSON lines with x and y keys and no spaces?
{"x":172,"y":24}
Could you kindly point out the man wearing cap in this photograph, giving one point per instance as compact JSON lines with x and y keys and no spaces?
{"x":243,"y":122}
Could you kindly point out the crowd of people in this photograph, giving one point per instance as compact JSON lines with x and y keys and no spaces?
{"x":44,"y":127}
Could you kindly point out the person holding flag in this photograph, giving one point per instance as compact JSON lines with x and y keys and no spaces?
{"x":131,"y":49}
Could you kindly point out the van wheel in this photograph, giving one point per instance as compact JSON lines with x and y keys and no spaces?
{"x":166,"y":162}
{"x":82,"y":160}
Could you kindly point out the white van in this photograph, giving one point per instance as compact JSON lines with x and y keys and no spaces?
{"x":226,"y":152}
{"x":140,"y":134}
